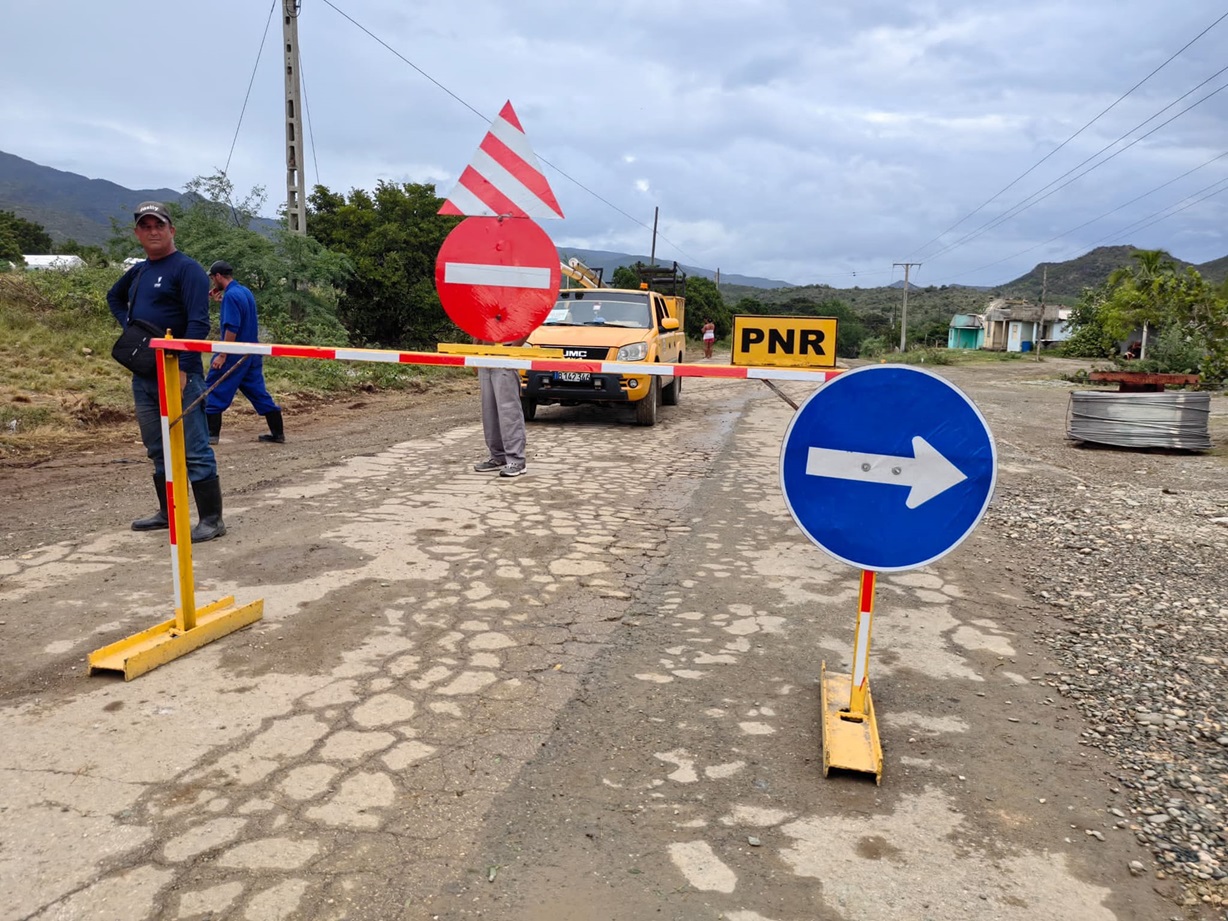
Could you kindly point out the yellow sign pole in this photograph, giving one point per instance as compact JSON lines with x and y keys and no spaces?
{"x":175,"y":461}
{"x":850,"y":733}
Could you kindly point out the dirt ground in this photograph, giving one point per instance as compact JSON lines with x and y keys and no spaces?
{"x":651,"y":748}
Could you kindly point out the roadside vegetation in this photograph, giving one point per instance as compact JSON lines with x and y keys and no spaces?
{"x":364,"y":277}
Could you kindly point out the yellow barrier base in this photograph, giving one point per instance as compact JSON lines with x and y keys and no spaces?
{"x":848,"y":744}
{"x":158,"y":645}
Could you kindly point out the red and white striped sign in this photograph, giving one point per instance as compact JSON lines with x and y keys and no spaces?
{"x":504,"y":178}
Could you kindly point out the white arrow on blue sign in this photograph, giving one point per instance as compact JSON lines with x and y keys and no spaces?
{"x":888,"y":467}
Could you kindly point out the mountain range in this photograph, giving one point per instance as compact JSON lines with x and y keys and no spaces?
{"x":73,"y":207}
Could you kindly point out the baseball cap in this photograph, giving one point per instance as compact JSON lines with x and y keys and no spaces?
{"x":221,"y":267}
{"x":155,"y":208}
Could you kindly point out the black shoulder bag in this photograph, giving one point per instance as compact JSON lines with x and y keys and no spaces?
{"x":132,"y":349}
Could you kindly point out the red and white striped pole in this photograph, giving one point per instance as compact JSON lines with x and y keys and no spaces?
{"x":861,"y":647}
{"x":496,"y":359}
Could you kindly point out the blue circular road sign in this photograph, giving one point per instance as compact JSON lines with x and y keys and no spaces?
{"x":888,"y":467}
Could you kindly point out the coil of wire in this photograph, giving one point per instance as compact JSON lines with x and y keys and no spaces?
{"x":1168,"y":419}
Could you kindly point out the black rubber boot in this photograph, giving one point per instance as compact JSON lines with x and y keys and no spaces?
{"x":209,"y":507}
{"x":214,"y":420}
{"x":276,"y":434}
{"x":157,"y":521}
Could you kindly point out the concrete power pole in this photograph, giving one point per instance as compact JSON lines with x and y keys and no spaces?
{"x":1044,"y":287}
{"x":296,"y":199}
{"x":656,"y":212}
{"x":904,"y":309}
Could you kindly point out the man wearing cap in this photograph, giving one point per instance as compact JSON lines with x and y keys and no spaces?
{"x":238,"y":322}
{"x":171,"y":291}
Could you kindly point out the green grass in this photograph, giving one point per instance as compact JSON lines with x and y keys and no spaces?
{"x":60,"y":386}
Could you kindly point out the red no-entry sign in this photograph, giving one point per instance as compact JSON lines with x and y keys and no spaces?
{"x":497,"y":278}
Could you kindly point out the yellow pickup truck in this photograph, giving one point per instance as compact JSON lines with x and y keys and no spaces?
{"x":609,"y":324}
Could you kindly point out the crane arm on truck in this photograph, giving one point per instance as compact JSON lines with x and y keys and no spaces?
{"x":578,"y":272}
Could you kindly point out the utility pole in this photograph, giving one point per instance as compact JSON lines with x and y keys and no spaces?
{"x":904,"y":309}
{"x":652,"y":260}
{"x":296,"y":200}
{"x":1044,"y":287}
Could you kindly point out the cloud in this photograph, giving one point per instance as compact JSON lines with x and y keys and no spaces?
{"x":782,"y":138}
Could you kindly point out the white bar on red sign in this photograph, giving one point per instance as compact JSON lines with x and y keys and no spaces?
{"x":501,"y":276}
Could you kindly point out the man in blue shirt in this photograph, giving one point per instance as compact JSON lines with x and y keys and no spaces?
{"x":238,"y":322}
{"x":171,"y":291}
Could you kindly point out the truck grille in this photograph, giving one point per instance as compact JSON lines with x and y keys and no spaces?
{"x":588,"y":353}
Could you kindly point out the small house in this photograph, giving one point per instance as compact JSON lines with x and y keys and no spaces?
{"x":967,"y":331}
{"x":1016,"y":325}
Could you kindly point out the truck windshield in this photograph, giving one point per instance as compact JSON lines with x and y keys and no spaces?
{"x":596,"y":309}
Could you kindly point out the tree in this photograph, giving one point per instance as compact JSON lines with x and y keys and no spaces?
{"x":392,"y":238}
{"x":704,"y":302}
{"x":31,"y":238}
{"x":625,"y":277}
{"x":1088,"y":336}
{"x":296,"y":281}
{"x":1138,"y":295}
{"x":10,"y":249}
{"x":214,"y":197}
{"x":93,"y":255}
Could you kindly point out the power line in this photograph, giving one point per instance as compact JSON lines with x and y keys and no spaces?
{"x":1101,"y":217}
{"x":1142,"y":223}
{"x":1071,"y":138}
{"x":1036,"y":197}
{"x":250,"y":82}
{"x":487,"y":119}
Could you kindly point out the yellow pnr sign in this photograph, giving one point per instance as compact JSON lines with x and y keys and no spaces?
{"x":792,"y":342}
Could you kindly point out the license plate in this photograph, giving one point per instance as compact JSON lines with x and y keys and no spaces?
{"x":573,"y":377}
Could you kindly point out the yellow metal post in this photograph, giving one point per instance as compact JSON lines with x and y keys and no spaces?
{"x":850,"y":733}
{"x":190,"y":628}
{"x":171,"y":397}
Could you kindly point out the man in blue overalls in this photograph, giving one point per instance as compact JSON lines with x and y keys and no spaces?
{"x":237,"y":318}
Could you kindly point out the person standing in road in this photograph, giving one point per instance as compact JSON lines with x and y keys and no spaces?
{"x":709,"y":337}
{"x":238,"y":322}
{"x":502,"y":421}
{"x":171,"y":290}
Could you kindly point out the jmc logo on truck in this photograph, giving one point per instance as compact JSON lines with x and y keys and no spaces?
{"x":794,"y":342}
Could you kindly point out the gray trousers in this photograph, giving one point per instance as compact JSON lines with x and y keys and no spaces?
{"x":502,"y":417}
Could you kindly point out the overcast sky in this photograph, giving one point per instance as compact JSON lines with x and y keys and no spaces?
{"x":800,"y":140}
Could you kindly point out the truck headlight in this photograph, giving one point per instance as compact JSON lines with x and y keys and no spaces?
{"x":637,"y":351}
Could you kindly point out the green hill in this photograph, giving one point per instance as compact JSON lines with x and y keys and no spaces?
{"x":69,"y":206}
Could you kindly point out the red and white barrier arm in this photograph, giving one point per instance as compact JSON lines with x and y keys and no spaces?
{"x":660,"y":369}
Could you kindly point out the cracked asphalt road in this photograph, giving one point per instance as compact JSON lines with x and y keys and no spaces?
{"x":588,"y":693}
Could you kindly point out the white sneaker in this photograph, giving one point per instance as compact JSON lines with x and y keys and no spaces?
{"x":512,"y":470}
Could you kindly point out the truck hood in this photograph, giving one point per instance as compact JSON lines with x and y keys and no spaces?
{"x":610,"y":337}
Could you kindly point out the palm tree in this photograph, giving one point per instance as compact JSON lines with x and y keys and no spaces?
{"x":1139,"y":291}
